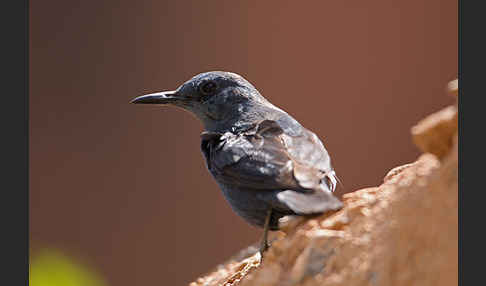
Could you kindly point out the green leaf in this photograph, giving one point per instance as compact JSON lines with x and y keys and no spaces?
{"x":53,"y":268}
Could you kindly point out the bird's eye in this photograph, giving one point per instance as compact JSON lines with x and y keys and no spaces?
{"x":208,"y":88}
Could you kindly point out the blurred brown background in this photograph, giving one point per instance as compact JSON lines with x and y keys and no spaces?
{"x":124,"y":187}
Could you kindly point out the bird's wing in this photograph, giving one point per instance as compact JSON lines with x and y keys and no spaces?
{"x":312,"y":164}
{"x":272,"y":156}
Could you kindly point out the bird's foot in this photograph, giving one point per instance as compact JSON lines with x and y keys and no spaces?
{"x":262,"y":251}
{"x":264,"y":247}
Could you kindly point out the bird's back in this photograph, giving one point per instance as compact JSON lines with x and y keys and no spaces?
{"x":274,"y":162}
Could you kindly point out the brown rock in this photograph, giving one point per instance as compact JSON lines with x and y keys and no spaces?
{"x":403,"y":232}
{"x":453,"y":87}
{"x":435,"y":133}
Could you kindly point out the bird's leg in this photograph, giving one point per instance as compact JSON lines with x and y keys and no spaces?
{"x":264,"y":244}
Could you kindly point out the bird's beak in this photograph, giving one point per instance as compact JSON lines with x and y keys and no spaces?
{"x":165,"y":97}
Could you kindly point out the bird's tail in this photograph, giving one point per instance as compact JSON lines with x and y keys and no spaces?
{"x":309,"y":203}
{"x":332,"y":180}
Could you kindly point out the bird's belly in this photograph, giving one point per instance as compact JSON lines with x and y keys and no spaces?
{"x":246,"y":204}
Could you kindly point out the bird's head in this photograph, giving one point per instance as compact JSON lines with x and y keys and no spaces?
{"x":221,"y":100}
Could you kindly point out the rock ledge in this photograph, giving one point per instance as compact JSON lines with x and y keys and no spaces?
{"x":403,"y":232}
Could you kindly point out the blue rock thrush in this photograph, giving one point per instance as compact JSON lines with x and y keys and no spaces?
{"x":266,"y":164}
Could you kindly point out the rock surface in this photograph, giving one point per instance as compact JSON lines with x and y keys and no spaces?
{"x":403,"y":232}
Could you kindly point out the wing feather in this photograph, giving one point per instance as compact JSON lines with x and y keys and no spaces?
{"x":271,"y":155}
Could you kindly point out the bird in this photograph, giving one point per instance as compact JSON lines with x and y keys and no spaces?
{"x":265,"y":162}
